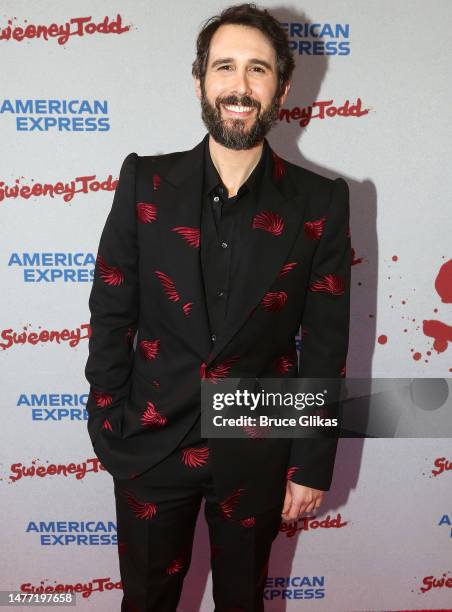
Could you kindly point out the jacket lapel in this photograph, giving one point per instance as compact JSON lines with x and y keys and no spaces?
{"x":263,"y":253}
{"x":181,"y":192}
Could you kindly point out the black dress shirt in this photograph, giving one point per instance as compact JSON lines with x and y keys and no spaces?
{"x":224,"y":223}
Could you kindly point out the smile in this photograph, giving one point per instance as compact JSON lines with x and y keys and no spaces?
{"x":238,"y":110}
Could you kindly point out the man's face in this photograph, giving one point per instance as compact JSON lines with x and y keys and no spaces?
{"x":238,"y":94}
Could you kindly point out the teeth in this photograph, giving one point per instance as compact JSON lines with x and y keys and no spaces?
{"x":238,"y":109}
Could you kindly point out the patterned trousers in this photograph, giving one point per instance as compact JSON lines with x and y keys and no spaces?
{"x":156,"y":518}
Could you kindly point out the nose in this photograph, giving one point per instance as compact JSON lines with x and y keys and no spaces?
{"x":241,"y":85}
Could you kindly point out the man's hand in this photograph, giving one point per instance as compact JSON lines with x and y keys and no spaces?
{"x":300,"y":499}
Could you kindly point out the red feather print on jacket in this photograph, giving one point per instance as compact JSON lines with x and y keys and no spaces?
{"x":168,"y":286}
{"x":274,"y":300}
{"x":101,"y":398}
{"x":228,"y":505}
{"x":143,"y":510}
{"x":314,"y":229}
{"x":269,"y":221}
{"x":149,"y":348}
{"x":221,"y":370}
{"x":187,"y":308}
{"x":248,"y":522}
{"x":156,"y":180}
{"x":151,"y":417}
{"x":291,"y":471}
{"x":287,"y":268}
{"x":254,"y":431}
{"x":330,"y":283}
{"x":279,"y":167}
{"x":107,"y":425}
{"x":284,"y":363}
{"x":195,"y":456}
{"x":175,"y":566}
{"x":146,"y":213}
{"x":109,"y":274}
{"x":191,"y":235}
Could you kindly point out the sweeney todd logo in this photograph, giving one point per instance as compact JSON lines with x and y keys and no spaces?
{"x":10,"y":338}
{"x":77,"y":26}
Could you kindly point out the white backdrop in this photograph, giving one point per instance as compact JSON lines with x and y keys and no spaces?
{"x":385,"y":529}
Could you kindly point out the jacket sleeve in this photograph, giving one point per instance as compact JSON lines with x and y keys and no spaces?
{"x":325,"y":327}
{"x":113,"y":303}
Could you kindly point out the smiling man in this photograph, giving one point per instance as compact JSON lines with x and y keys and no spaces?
{"x":209,"y":262}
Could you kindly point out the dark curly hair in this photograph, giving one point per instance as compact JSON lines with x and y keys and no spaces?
{"x":248,"y":15}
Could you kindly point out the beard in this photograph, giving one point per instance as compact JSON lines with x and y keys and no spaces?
{"x":231,"y":132}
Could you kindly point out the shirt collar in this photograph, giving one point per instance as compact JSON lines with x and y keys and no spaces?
{"x":212,"y":179}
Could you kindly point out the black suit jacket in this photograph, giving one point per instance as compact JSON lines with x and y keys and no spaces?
{"x":149,"y":280}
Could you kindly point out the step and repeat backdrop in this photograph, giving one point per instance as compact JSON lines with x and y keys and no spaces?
{"x":86,"y":83}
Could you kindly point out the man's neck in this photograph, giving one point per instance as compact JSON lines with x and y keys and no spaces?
{"x":234,"y":167}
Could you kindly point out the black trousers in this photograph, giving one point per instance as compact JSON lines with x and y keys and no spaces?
{"x":156,"y":518}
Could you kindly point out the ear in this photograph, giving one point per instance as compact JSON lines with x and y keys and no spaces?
{"x":285,"y":93}
{"x":197,"y":84}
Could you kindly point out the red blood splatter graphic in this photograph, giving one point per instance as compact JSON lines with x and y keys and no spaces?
{"x":417,"y":356}
{"x":395,"y":258}
{"x":443,"y":282}
{"x":382,"y":339}
{"x":438,"y":330}
{"x":356,"y":260}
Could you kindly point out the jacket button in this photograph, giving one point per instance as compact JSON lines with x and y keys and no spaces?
{"x":224,"y":245}
{"x":213,"y":337}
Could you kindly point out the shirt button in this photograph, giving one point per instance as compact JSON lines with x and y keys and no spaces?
{"x":224,"y":245}
{"x":216,"y":199}
{"x":213,"y":337}
{"x":220,"y":293}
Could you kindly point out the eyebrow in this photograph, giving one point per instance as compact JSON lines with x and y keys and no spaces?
{"x":253,"y":60}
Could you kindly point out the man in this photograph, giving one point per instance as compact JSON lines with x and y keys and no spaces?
{"x":213,"y":257}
